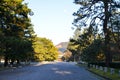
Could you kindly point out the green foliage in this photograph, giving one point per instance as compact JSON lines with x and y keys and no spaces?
{"x":73,"y":47}
{"x":1,"y":43}
{"x":92,"y":12}
{"x":44,"y":50}
{"x":14,"y":17}
{"x":94,"y":52}
{"x":14,"y":23}
{"x":102,"y":16}
{"x":114,"y":76}
{"x":17,"y":48}
{"x":77,"y":33}
{"x":86,"y":37}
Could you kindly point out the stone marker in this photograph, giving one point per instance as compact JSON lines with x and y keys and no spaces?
{"x":101,"y":68}
{"x":93,"y":66}
{"x":105,"y":69}
{"x":96,"y":66}
{"x":112,"y":70}
{"x":119,"y":72}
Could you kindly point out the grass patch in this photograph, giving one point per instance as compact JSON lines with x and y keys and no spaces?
{"x":114,"y":76}
{"x":107,"y":74}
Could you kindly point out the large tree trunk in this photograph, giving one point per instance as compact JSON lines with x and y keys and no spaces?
{"x":18,"y":61}
{"x":107,"y":36}
{"x":6,"y":61}
{"x":12,"y":61}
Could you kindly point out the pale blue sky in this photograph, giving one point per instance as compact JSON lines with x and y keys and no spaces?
{"x":53,"y":18}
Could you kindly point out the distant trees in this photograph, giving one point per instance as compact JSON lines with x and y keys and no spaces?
{"x":80,"y":47}
{"x":44,"y":50}
{"x":98,"y":14}
{"x":67,"y":56}
{"x":73,"y":47}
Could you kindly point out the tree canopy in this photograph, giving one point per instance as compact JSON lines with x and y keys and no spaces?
{"x":44,"y":50}
{"x":14,"y":23}
{"x":100,"y":15}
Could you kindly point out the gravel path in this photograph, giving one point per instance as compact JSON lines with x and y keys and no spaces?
{"x":48,"y":71}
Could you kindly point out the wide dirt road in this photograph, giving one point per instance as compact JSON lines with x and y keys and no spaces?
{"x":49,"y":71}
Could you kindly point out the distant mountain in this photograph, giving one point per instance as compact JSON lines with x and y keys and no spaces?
{"x":62,"y":50}
{"x":62,"y":45}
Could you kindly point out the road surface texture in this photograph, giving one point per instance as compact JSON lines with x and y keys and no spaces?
{"x":49,"y":71}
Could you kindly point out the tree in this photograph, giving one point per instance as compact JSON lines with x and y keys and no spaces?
{"x":77,"y":33}
{"x":1,"y":45}
{"x":44,"y":50}
{"x":14,"y":21}
{"x":97,"y":13}
{"x":67,"y":55}
{"x":85,"y":38}
{"x":93,"y":52}
{"x":115,"y":29}
{"x":72,"y":47}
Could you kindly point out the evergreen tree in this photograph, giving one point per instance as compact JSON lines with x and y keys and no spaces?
{"x":14,"y":21}
{"x":97,"y":13}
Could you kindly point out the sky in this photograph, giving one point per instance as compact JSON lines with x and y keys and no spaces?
{"x":53,"y":18}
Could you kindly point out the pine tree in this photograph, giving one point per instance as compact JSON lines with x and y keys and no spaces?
{"x":97,"y":13}
{"x":14,"y":21}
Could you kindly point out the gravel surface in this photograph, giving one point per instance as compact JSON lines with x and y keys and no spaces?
{"x":49,"y":71}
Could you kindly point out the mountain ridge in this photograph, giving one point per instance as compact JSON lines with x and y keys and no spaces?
{"x":62,"y":45}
